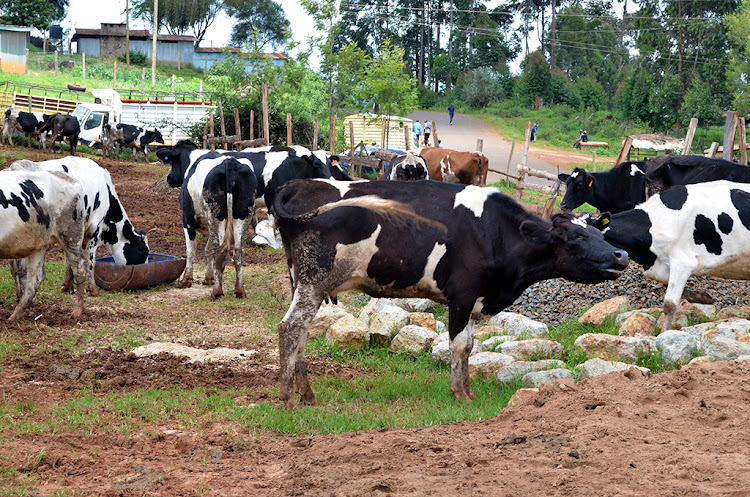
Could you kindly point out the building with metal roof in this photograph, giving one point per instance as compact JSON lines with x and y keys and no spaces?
{"x":13,"y":41}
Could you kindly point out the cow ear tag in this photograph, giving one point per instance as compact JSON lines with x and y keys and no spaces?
{"x":591,"y":181}
{"x":605,"y":221}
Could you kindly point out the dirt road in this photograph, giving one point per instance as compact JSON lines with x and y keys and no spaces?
{"x":465,"y":131}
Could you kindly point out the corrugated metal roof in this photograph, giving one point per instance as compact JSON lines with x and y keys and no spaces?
{"x":8,"y":27}
{"x":134,"y":34}
{"x":271,"y":55}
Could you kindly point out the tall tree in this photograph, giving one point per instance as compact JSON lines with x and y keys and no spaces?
{"x":264,"y":20}
{"x":179,"y":16}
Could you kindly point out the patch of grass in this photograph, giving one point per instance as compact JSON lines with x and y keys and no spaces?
{"x":566,"y":333}
{"x":534,"y":197}
{"x":653,"y":361}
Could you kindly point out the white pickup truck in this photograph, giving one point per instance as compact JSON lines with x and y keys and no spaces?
{"x":171,"y":117}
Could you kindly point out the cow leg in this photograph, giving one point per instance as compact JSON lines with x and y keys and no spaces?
{"x":73,"y":144}
{"x":211,"y":266}
{"x":240,"y":230}
{"x":461,"y":344}
{"x":217,"y":253}
{"x":678,"y":276}
{"x":292,"y":339}
{"x":16,"y":268}
{"x":29,"y":274}
{"x":187,"y":276}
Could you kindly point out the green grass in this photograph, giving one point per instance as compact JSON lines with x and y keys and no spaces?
{"x":535,"y":197}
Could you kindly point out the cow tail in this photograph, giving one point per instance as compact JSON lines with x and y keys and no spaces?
{"x":392,"y":210}
{"x":230,"y":174}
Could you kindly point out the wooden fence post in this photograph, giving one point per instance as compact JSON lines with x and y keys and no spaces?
{"x":179,"y":56}
{"x":288,"y":130}
{"x":689,"y":136}
{"x":252,"y":124}
{"x":315,"y":134}
{"x":266,"y":124}
{"x":730,"y":127}
{"x":407,"y":137}
{"x":221,"y":122}
{"x":28,"y":61}
{"x":352,"y":166}
{"x":237,"y":130}
{"x":143,"y":79}
{"x":84,"y":65}
{"x":742,"y":140}
{"x":333,"y":134}
{"x":55,"y":62}
{"x":480,"y":145}
{"x":114,"y":75}
{"x":712,"y":149}
{"x":434,"y":135}
{"x":211,"y":130}
{"x":625,"y":150}
{"x":510,"y":158}
{"x":524,"y":158}
{"x":383,"y":135}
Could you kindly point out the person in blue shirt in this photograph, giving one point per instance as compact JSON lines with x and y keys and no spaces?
{"x":450,"y":113}
{"x":417,"y":130}
{"x":533,"y":131}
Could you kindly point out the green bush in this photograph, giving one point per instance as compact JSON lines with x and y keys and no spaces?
{"x":136,"y":58}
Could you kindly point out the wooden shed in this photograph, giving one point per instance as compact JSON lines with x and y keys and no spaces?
{"x":368,"y":128}
{"x":13,"y":48}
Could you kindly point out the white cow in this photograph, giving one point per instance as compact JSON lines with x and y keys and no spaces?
{"x":106,"y":222}
{"x":38,"y":209}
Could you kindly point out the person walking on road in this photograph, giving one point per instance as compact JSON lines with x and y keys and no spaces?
{"x":417,"y":130}
{"x":533,"y":131}
{"x":427,"y":132}
{"x":450,"y":113}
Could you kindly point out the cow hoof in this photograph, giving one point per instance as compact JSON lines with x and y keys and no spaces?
{"x":66,"y":289}
{"x":216,"y":295}
{"x":186,"y":283}
{"x":77,"y":315}
{"x":308,"y":399}
{"x":240,"y":295}
{"x":290,"y":404}
{"x":463,"y":396}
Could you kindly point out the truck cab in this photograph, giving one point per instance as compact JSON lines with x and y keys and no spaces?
{"x":92,"y":118}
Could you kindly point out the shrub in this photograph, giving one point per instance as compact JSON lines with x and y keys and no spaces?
{"x":136,"y":58}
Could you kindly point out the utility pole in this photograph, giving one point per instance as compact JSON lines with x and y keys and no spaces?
{"x":153,"y":46}
{"x":127,"y":33}
{"x":420,"y":72}
{"x":526,"y":25}
{"x":552,"y":37}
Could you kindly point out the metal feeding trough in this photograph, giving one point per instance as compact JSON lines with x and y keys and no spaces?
{"x":158,"y":269}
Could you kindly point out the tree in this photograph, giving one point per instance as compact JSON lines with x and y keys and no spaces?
{"x":739,"y":61}
{"x":34,"y":13}
{"x":179,"y":16}
{"x":264,"y":20}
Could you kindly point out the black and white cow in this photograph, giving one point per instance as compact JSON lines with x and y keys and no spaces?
{"x":61,"y":126}
{"x":630,"y":183}
{"x":106,"y":222}
{"x":272,"y":169}
{"x":406,"y":167}
{"x":38,"y":209}
{"x":23,"y":122}
{"x":218,"y":201}
{"x":127,"y":135}
{"x":337,"y":172}
{"x":700,"y":229}
{"x":473,"y":249}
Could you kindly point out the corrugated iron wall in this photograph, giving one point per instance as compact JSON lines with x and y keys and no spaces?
{"x":13,"y":51}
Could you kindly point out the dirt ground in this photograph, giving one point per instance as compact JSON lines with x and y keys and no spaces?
{"x":677,"y":433}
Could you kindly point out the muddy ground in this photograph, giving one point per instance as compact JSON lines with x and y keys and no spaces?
{"x":676,"y":433}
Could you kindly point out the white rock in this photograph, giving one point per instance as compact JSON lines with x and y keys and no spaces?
{"x":597,"y":367}
{"x":386,"y":322}
{"x":517,"y":324}
{"x":441,"y":349}
{"x":698,"y":330}
{"x":537,"y":378}
{"x":442,"y":337}
{"x":418,"y":305}
{"x":599,"y":312}
{"x":348,"y":332}
{"x":492,"y":342}
{"x":484,"y":364}
{"x":221,"y":354}
{"x":374,"y":306}
{"x":722,"y":348}
{"x":440,"y":327}
{"x":676,"y":346}
{"x":518,"y":369}
{"x":616,"y":347}
{"x":537,"y":348}
{"x":412,"y":339}
{"x":326,"y":316}
{"x":702,"y":359}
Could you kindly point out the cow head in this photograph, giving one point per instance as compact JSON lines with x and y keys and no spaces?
{"x":136,"y":249}
{"x":579,"y":251}
{"x":316,"y":168}
{"x":579,"y":188}
{"x":178,"y":157}
{"x":156,"y":136}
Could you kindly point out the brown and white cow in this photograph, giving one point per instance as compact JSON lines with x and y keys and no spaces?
{"x":37,"y":209}
{"x":473,"y":249}
{"x":452,"y":166}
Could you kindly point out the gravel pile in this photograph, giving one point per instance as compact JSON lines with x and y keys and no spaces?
{"x":551,"y":301}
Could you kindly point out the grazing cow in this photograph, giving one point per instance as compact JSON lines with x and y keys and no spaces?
{"x":24,"y":122}
{"x":272,"y":169}
{"x":630,"y":183}
{"x":405,"y":167}
{"x":127,"y":135}
{"x":451,"y":166}
{"x":61,"y":126}
{"x":38,"y":209}
{"x":218,"y":201}
{"x":473,"y":249}
{"x":699,"y":229}
{"x":106,"y":222}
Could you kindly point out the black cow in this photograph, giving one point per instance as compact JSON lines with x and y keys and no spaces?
{"x":218,"y":200}
{"x":127,"y":135}
{"x":272,"y":169}
{"x":62,"y":126}
{"x":24,"y":122}
{"x":699,"y":229}
{"x":406,"y":167}
{"x":630,"y":183}
{"x":473,"y":249}
{"x":337,"y":172}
